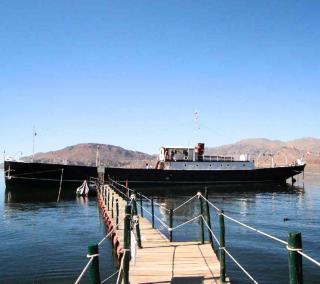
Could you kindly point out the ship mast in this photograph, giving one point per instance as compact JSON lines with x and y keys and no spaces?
{"x":34,"y":134}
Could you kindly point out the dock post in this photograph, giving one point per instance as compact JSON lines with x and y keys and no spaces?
{"x":94,"y":267}
{"x":108,"y":198}
{"x":201,"y":220}
{"x":152,"y":212}
{"x":208,"y":216}
{"x":135,"y":218}
{"x":170,"y":224}
{"x":117,"y":214}
{"x":294,"y":258}
{"x":141,"y":210}
{"x":112,"y":201}
{"x":221,"y":248}
{"x":126,"y":245}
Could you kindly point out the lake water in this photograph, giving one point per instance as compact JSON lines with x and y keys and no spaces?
{"x":46,"y":242}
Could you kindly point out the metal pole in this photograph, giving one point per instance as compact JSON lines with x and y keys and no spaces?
{"x":94,"y":267}
{"x":112,"y":201}
{"x":171,"y":223}
{"x":201,"y":220}
{"x":117,"y":214}
{"x":126,"y":244}
{"x":208,"y":219}
{"x":221,"y":248}
{"x":152,"y":212}
{"x":294,"y":258}
{"x":108,"y":198}
{"x":141,"y":210}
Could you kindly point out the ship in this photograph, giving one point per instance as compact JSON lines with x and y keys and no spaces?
{"x":176,"y":165}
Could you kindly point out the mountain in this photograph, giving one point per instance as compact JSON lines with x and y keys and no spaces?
{"x":262,"y":150}
{"x":86,"y":153}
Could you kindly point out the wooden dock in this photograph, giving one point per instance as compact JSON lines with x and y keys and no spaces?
{"x":161,"y":261}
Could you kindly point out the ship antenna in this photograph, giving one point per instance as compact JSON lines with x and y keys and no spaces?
{"x":196,"y":124}
{"x":34,"y":134}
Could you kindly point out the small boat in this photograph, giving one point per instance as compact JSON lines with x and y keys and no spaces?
{"x":83,"y":190}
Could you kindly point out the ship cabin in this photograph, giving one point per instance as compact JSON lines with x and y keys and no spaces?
{"x":187,"y":158}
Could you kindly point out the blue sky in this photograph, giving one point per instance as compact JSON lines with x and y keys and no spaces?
{"x":132,"y":73}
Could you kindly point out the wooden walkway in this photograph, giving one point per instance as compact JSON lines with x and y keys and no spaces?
{"x":161,"y":261}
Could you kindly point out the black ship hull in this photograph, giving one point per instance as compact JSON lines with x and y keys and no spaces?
{"x":277,"y":175}
{"x":18,"y":173}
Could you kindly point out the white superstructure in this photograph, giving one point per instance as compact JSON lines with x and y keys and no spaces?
{"x":186,"y":158}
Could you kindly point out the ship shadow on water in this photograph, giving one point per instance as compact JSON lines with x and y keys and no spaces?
{"x":169,"y":190}
{"x":48,"y":193}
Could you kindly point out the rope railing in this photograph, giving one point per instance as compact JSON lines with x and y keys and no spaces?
{"x":220,"y":212}
{"x":84,"y":270}
{"x":239,"y":265}
{"x":95,"y":255}
{"x":245,"y":225}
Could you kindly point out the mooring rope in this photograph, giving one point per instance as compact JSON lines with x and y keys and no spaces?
{"x":38,"y":172}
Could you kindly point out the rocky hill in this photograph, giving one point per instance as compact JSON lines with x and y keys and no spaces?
{"x":86,"y":154}
{"x":261,"y":150}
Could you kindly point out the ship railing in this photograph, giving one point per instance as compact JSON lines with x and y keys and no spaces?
{"x":217,"y":158}
{"x":293,"y":245}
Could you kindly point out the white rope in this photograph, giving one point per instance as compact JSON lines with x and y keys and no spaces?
{"x":244,"y":225}
{"x":108,"y":278}
{"x":239,"y":265}
{"x":172,"y":229}
{"x":184,"y":203}
{"x":84,"y":270}
{"x":309,"y":258}
{"x":255,"y":230}
{"x":213,"y":235}
{"x":58,"y":198}
{"x":161,"y":222}
{"x":39,"y":172}
{"x":107,"y":236}
{"x":121,"y":266}
{"x":215,"y":207}
{"x":294,"y":249}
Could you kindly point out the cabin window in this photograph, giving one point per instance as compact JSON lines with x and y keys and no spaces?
{"x":221,"y":165}
{"x":185,"y":165}
{"x":197,"y":165}
{"x":244,"y":165}
{"x":210,"y":165}
{"x":227,"y":165}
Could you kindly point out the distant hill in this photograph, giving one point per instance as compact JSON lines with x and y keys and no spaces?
{"x":85,"y":154}
{"x":259,"y":149}
{"x":308,"y":148}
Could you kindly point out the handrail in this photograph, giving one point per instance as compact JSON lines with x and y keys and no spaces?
{"x":219,"y":212}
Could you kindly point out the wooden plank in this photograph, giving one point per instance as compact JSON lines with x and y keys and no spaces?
{"x":160,"y":261}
